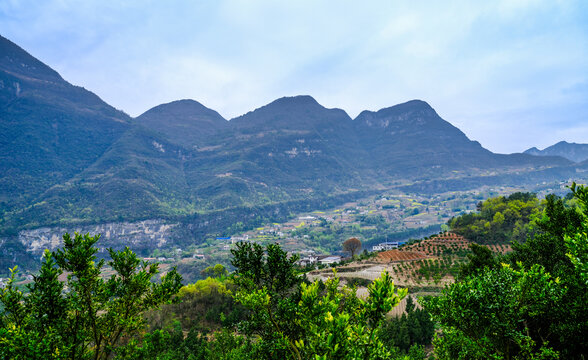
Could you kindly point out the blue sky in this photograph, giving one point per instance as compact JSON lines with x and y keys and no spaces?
{"x":510,"y":74}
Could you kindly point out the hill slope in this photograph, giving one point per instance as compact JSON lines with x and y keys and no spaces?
{"x":50,"y":130}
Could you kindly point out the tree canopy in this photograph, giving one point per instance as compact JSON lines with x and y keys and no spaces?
{"x":294,"y":319}
{"x":352,"y":245}
{"x":529,"y":304}
{"x":86,"y":316}
{"x":500,"y":219}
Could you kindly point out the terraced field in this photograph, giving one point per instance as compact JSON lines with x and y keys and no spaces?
{"x":440,"y":244}
{"x":400,"y":255}
{"x":431,"y":262}
{"x":501,"y":248}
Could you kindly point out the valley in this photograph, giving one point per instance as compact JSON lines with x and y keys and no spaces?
{"x":180,"y":184}
{"x":233,"y":180}
{"x":389,"y":216}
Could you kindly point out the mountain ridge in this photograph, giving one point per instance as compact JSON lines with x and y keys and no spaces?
{"x":572,"y":151}
{"x":50,"y":129}
{"x":15,"y":59}
{"x":75,"y":159}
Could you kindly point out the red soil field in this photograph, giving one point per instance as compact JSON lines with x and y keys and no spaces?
{"x":400,"y":255}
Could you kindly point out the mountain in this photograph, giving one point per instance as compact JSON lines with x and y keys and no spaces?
{"x":571,"y":151}
{"x":50,"y":130}
{"x":302,"y":143}
{"x":138,"y":177}
{"x":68,"y":158}
{"x":186,"y":122}
{"x":411,"y":139}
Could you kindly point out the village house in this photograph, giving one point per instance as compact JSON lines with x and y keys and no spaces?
{"x":388,"y":245}
{"x":308,"y":260}
{"x":243,"y":238}
{"x":330,"y":260}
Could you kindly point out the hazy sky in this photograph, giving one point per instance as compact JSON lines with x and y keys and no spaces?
{"x":511,"y":74}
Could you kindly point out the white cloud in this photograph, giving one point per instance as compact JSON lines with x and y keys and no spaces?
{"x":489,"y":68}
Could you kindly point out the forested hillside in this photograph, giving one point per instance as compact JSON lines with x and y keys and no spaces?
{"x":501,"y":219}
{"x":528,"y":304}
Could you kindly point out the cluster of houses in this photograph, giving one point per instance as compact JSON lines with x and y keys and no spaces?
{"x":319,"y":260}
{"x":233,"y":239}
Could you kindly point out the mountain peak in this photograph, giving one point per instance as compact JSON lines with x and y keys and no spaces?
{"x":291,"y":112}
{"x":415,"y":103}
{"x":184,"y":107}
{"x":298,"y":100}
{"x":187,"y":121}
{"x":402,"y":116}
{"x":291,"y":103}
{"x":410,"y":106}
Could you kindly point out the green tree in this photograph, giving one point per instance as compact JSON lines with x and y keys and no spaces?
{"x":548,"y":248}
{"x":215,"y":271}
{"x":480,"y":259}
{"x":273,"y":279}
{"x":167,"y":344}
{"x":577,"y":243}
{"x":412,"y":328}
{"x":293,"y":319}
{"x":500,"y":314}
{"x":93,"y":315}
{"x":499,"y":219}
{"x":531,"y":307}
{"x":338,"y":325}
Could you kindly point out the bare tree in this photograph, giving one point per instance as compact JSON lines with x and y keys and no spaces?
{"x":352,"y":245}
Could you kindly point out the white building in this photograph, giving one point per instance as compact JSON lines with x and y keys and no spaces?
{"x":306,"y":218}
{"x":330,"y":260}
{"x":235,"y":239}
{"x":308,"y":260}
{"x":389,"y":245}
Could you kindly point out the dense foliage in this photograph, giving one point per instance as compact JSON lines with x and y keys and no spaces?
{"x":206,"y":305}
{"x":291,"y":319}
{"x":500,"y":219}
{"x":412,"y":329}
{"x":577,"y":242}
{"x":530,"y":304}
{"x":87,"y":316}
{"x":281,"y":315}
